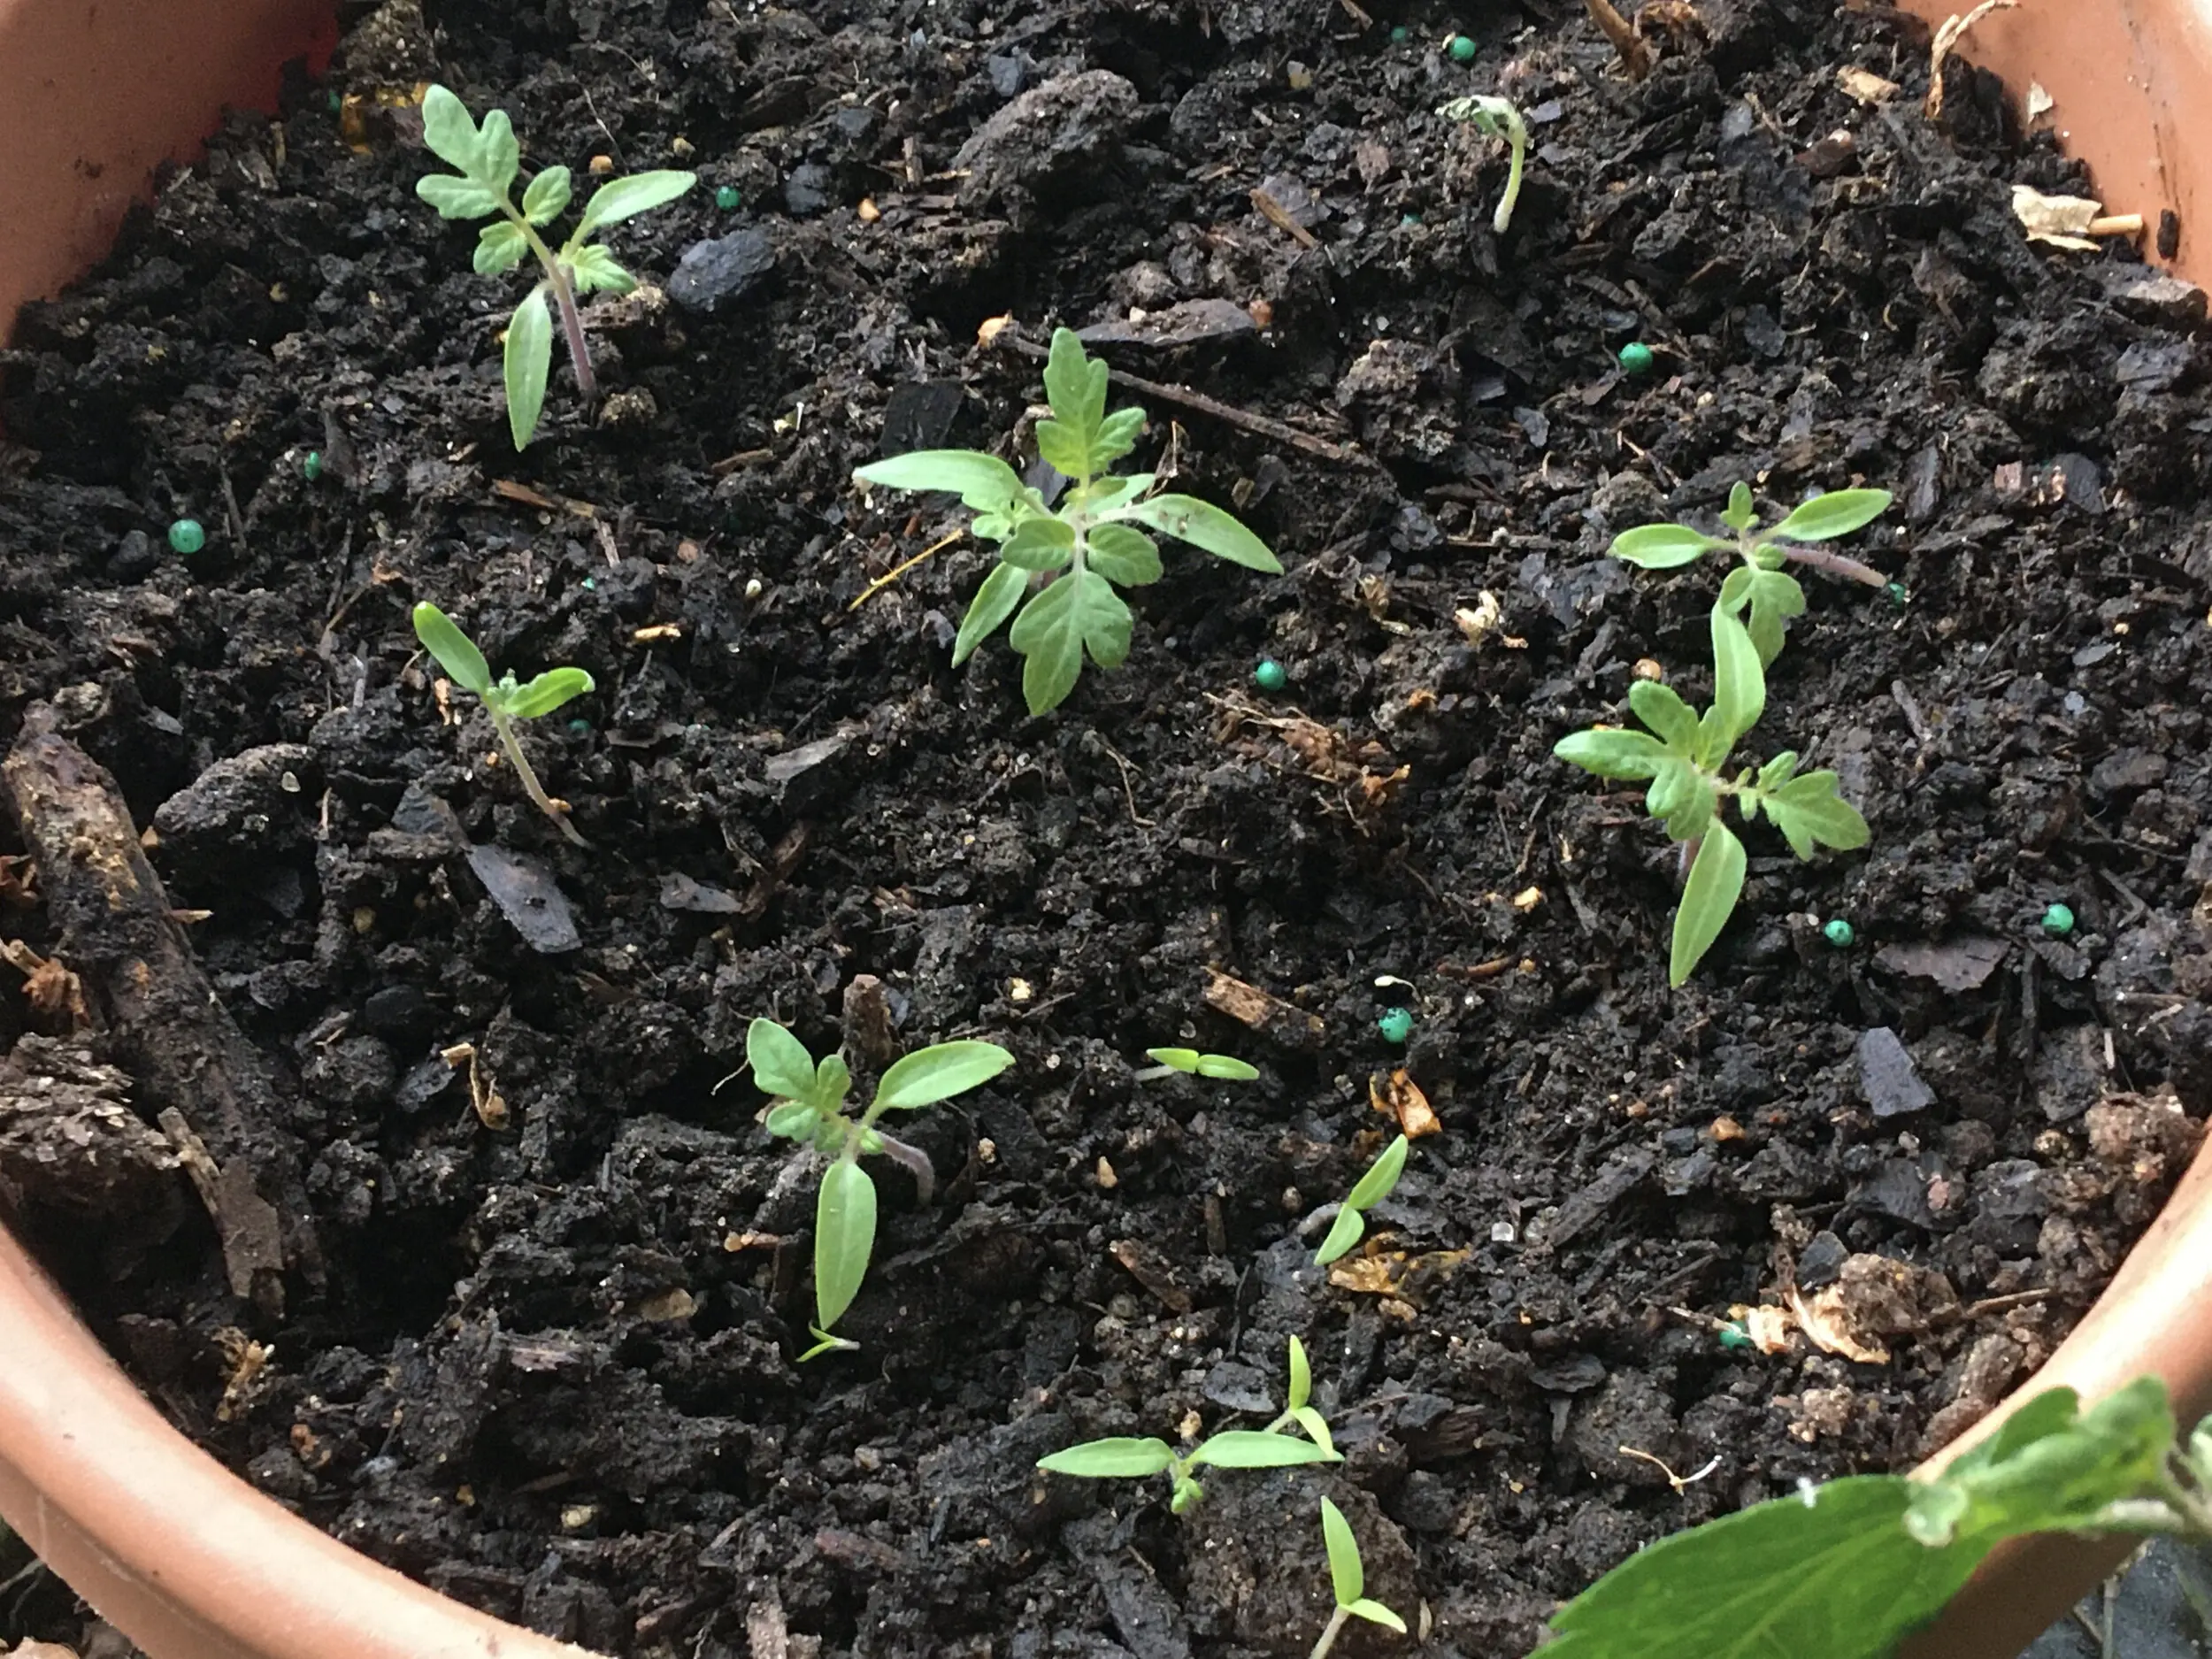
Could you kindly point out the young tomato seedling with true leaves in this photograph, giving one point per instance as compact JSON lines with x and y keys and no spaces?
{"x":809,"y":1107}
{"x":1093,"y":542}
{"x":1370,"y":1189}
{"x":1685,"y":762}
{"x":1128,"y":1458}
{"x":1347,"y":1578}
{"x":502,"y":699}
{"x":1759,"y":589}
{"x":486,"y":159}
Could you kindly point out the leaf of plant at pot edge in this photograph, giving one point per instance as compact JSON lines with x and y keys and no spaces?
{"x":844,"y":1234}
{"x":781,"y":1064}
{"x":455,"y":651}
{"x":983,"y":482}
{"x":528,"y":360}
{"x":1079,"y":611}
{"x":938,"y":1072}
{"x":1203,"y":525}
{"x":1120,"y":1458}
{"x":1250,"y":1449}
{"x":1837,"y":1576}
{"x":619,"y":199}
{"x":1709,"y":897}
{"x":995,"y":601}
{"x":1662,"y":546}
{"x":1838,"y":513}
{"x":548,"y":692}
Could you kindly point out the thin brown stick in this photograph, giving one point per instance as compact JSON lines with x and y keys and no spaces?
{"x":1635,"y":56}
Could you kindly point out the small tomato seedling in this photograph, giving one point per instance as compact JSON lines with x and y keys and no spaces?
{"x":1370,"y":1189}
{"x":1193,"y":1064}
{"x":1093,"y":543}
{"x":502,"y":699}
{"x":808,"y":1107}
{"x":1496,"y":118}
{"x":1760,"y":586}
{"x":1685,"y":762}
{"x":1298,"y":1412}
{"x":1347,"y":1578}
{"x":486,"y":159}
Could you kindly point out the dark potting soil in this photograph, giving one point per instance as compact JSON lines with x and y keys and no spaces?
{"x":546,"y":1360}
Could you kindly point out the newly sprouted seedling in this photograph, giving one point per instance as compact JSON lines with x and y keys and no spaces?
{"x":1759,"y":585}
{"x":1127,"y":1458}
{"x":1193,"y":1064}
{"x":502,"y":699}
{"x":1685,"y":761}
{"x":808,"y":1107}
{"x":1096,"y":540}
{"x":487,"y":158}
{"x":1370,"y":1189}
{"x":1348,"y":1579}
{"x":1496,"y":118}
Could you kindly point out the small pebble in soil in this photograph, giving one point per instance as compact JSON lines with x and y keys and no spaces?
{"x":1636,"y":357}
{"x":1396,"y":1024}
{"x":1840,"y":933}
{"x":1268,"y":676}
{"x":2058,"y":921}
{"x":312,"y":466}
{"x":1896,"y":595}
{"x":726,"y":198}
{"x":1462,"y":48}
{"x":187,"y":537}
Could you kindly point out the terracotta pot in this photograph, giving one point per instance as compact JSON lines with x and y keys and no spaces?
{"x":189,"y":1561}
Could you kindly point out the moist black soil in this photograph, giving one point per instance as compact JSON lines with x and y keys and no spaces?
{"x":547,"y":1365}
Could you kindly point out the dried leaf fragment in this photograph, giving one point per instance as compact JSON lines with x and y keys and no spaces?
{"x":2062,"y":221}
{"x":1399,"y":1096}
{"x":1947,"y":38}
{"x":1865,"y":86}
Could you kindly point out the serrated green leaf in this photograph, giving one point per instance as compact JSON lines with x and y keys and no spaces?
{"x":1106,"y":494}
{"x":619,"y":199}
{"x":1118,"y":434}
{"x":1776,"y":772}
{"x":593,"y":270}
{"x":844,"y":1236}
{"x":791,"y":1119}
{"x":1227,"y":1068}
{"x":1735,"y":589}
{"x":548,"y":692}
{"x":1301,"y":1377}
{"x":939,"y":1072}
{"x":1612,"y":752}
{"x":1345,"y":1231}
{"x":1382,"y":1175}
{"x":1838,"y":513}
{"x":1126,"y":557}
{"x":1376,"y":1613}
{"x":454,"y":650}
{"x":1203,"y":525}
{"x":833,"y":1082}
{"x":995,"y":601}
{"x":447,"y":130}
{"x":1075,"y":385}
{"x":497,"y":154}
{"x":499,"y":247}
{"x":1661,"y":708}
{"x":779,"y":1061}
{"x":1709,"y":898}
{"x":982,"y":481}
{"x":1669,"y":784}
{"x":547,"y":195}
{"x":455,"y":198}
{"x":1775,"y":597}
{"x":1121,"y":1457}
{"x":1039,"y":545}
{"x":1692,"y":808}
{"x":1808,"y":811}
{"x":2059,"y":1479}
{"x":1740,"y":513}
{"x":1061,"y":447}
{"x":526,"y":363}
{"x":1251,"y":1448}
{"x":1079,"y":612}
{"x":1739,"y":684}
{"x":1660,"y":547}
{"x":1348,"y":1577}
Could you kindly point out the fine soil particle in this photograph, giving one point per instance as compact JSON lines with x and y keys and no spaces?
{"x":545,"y":1362}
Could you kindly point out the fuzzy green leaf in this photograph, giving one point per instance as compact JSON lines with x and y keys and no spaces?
{"x":833,"y":1082}
{"x":1774,"y":598}
{"x":1612,"y":752}
{"x":1121,"y":1457}
{"x":1039,"y":545}
{"x":498,"y":155}
{"x":995,"y":601}
{"x":619,"y":199}
{"x":1126,"y":557}
{"x":1740,"y":513}
{"x":1345,"y":1231}
{"x":1251,"y":1448}
{"x":1739,"y":684}
{"x":1382,"y":1175}
{"x":528,"y":362}
{"x":548,"y":692}
{"x":982,"y":481}
{"x":547,"y":195}
{"x":1709,"y":897}
{"x":1206,"y":526}
{"x":1838,"y":513}
{"x":1660,"y":547}
{"x":844,"y":1236}
{"x":1075,"y":385}
{"x":1661,"y":708}
{"x":455,"y":197}
{"x":455,"y":651}
{"x":1691,"y":800}
{"x":499,"y":247}
{"x":1778,"y":771}
{"x":1348,"y":1577}
{"x":593,"y":270}
{"x":938,"y":1072}
{"x":781,"y":1065}
{"x":1079,"y":612}
{"x":449,"y":132}
{"x":1808,"y":811}
{"x":1118,"y":434}
{"x":791,"y":1120}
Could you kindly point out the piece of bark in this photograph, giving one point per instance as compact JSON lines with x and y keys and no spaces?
{"x":155,"y":1014}
{"x":1262,"y":1011}
{"x":71,"y":1145}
